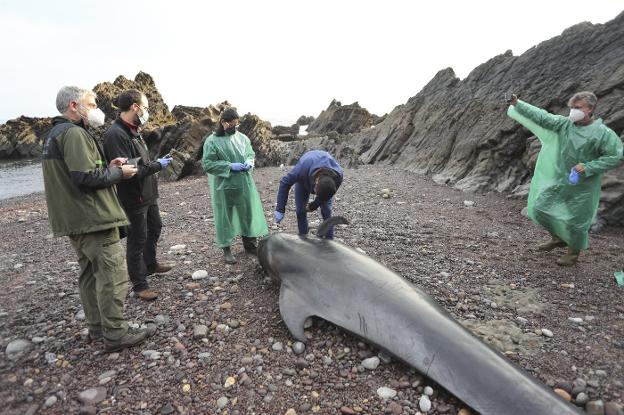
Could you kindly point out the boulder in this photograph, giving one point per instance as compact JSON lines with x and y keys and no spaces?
{"x":107,"y":94}
{"x":343,"y":119}
{"x":305,"y":120}
{"x":23,"y":137}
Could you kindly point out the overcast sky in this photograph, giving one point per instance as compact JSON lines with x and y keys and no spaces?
{"x":276,"y":59}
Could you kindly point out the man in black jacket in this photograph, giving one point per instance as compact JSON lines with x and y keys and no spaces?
{"x":138,"y":195}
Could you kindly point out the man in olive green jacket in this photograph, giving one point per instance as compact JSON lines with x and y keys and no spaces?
{"x":83,"y":205}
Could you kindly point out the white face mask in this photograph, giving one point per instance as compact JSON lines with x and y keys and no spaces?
{"x":144,"y":117}
{"x":94,"y":118}
{"x":576,"y":115}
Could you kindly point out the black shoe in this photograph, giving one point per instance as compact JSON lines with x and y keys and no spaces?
{"x":131,"y":338}
{"x":228,"y":257}
{"x":250,"y":245}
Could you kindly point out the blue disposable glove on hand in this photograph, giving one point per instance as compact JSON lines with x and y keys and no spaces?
{"x":247,"y":166}
{"x":574,"y":176}
{"x":164,"y":162}
{"x":279,"y":216}
{"x":237,"y":167}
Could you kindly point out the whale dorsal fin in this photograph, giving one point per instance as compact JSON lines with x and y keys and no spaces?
{"x":330,"y":223}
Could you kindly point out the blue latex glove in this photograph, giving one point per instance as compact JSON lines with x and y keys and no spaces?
{"x":164,"y":162}
{"x":574,"y":176}
{"x":237,"y":167}
{"x":279,"y":216}
{"x":247,"y":166}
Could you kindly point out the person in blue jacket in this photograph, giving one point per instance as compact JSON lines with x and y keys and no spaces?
{"x":316,"y":172}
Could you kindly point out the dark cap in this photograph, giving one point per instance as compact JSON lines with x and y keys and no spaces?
{"x":229,"y":114}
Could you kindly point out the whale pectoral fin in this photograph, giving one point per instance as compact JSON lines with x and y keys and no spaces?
{"x":294,"y":311}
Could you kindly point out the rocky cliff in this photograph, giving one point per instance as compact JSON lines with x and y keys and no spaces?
{"x":457,"y":130}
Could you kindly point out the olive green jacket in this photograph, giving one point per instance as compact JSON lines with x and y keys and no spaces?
{"x":79,"y":186}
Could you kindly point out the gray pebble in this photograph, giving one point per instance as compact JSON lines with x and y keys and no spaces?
{"x":298,"y":347}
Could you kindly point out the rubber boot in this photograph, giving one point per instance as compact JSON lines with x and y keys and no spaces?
{"x":570,"y":258}
{"x":547,"y":246}
{"x":228,"y":257}
{"x":251,"y":245}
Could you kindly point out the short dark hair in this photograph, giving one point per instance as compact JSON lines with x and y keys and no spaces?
{"x":325,"y":188}
{"x":129,"y":97}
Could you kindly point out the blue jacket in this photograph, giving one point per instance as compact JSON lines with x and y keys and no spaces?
{"x":303,"y":174}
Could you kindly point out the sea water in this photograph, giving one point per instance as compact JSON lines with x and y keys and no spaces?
{"x":18,"y":178}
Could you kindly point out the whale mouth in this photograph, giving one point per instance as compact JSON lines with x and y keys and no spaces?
{"x":329,"y":223}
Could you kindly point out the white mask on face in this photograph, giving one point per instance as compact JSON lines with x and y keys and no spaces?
{"x":144,"y":117}
{"x":94,"y":117}
{"x":576,"y":115}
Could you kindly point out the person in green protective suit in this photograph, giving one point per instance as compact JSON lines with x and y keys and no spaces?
{"x":565,"y":188}
{"x":228,"y":160}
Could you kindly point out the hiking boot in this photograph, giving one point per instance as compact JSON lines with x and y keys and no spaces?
{"x":131,"y":338}
{"x":569,"y":259}
{"x":228,"y":257}
{"x":250,"y":245}
{"x":159,"y":268}
{"x":147,"y":295}
{"x":95,"y":335}
{"x":555,"y":242}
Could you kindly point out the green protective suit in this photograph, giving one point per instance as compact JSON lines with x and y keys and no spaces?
{"x":567,"y":210}
{"x":235,"y":201}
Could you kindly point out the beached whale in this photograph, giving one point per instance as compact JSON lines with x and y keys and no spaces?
{"x":324,"y":278}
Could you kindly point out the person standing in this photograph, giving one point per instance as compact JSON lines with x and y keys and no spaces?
{"x":316,"y":172}
{"x":565,"y":188}
{"x":138,"y":195}
{"x":228,"y":159}
{"x":82,"y":205}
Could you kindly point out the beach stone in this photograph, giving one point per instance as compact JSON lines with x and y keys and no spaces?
{"x":92,"y":396}
{"x":167,"y":409}
{"x":277,"y":347}
{"x":565,"y":395}
{"x":345,"y":410}
{"x":17,"y":348}
{"x":298,"y":347}
{"x":547,"y":333}
{"x":565,"y":385}
{"x":199,"y":275}
{"x":581,"y":399}
{"x":428,"y":390}
{"x":88,"y":410}
{"x":614,"y":408}
{"x":595,"y":407}
{"x":386,"y":393}
{"x":222,"y":402}
{"x":200,"y":331}
{"x":424,"y":403}
{"x":395,"y":408}
{"x":50,"y":401}
{"x":80,"y":315}
{"x":371,"y":363}
{"x":576,"y":320}
{"x":177,"y":249}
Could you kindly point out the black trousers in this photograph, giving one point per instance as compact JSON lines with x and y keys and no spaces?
{"x":143,"y":234}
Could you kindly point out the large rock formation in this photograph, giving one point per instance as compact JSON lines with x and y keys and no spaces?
{"x":23,"y":137}
{"x":107,"y":94}
{"x":458,"y":132}
{"x":343,"y":119}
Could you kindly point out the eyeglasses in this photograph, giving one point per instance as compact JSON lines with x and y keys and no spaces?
{"x":143,"y":108}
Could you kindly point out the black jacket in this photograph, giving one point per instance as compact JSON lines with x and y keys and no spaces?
{"x":142,"y":189}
